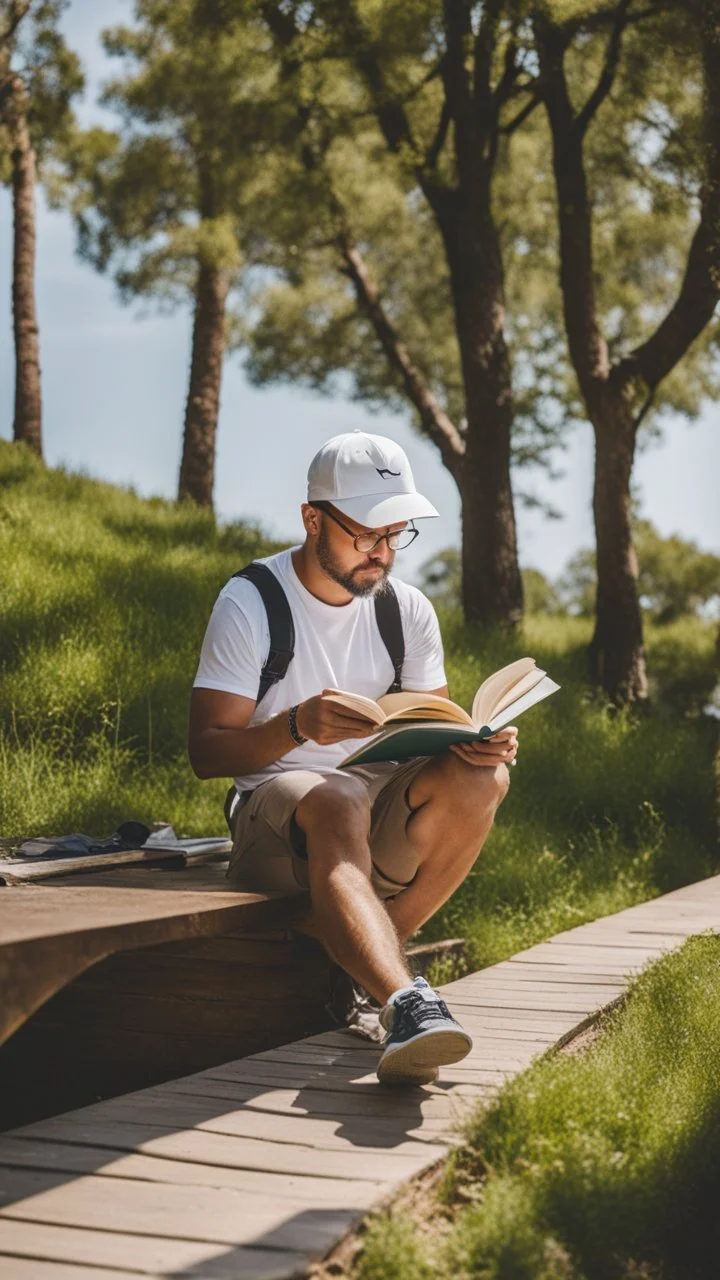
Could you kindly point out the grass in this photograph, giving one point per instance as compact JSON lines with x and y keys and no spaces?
{"x":601,"y":1166}
{"x":104,"y":604}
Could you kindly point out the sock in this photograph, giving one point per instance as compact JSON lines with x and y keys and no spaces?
{"x":418,"y":983}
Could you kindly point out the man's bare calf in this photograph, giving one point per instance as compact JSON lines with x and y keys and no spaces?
{"x":453,"y":807}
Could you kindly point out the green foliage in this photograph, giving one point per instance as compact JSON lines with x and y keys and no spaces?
{"x":392,"y":1251}
{"x":105,"y":602}
{"x":52,"y":77}
{"x":676,"y":578}
{"x":172,"y":188}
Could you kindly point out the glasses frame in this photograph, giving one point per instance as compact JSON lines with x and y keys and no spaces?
{"x":381,"y":537}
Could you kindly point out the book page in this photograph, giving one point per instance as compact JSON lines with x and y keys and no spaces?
{"x":523,"y":686}
{"x":421,"y":706}
{"x":496,"y":686}
{"x":357,"y":702}
{"x":516,"y":708}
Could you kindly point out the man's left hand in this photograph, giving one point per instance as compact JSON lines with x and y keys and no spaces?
{"x":500,"y":749}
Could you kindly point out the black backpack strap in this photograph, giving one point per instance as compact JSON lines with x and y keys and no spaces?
{"x":282,"y":628}
{"x":387,"y":614}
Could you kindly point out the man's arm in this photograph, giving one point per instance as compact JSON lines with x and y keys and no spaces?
{"x":223,"y":744}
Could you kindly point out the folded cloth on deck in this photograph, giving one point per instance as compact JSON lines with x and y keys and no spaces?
{"x":129,"y":835}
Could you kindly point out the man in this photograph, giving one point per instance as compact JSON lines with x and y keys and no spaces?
{"x":379,"y":847}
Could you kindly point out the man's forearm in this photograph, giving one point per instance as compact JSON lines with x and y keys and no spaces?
{"x":231,"y":753}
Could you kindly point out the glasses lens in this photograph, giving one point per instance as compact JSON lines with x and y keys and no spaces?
{"x":402,"y":538}
{"x":366,"y":541}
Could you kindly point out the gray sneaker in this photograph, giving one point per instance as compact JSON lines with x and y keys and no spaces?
{"x":422,"y":1035}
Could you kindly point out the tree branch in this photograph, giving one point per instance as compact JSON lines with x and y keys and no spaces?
{"x":588,"y":348}
{"x":17,"y":13}
{"x":700,"y":290}
{"x":609,"y":71}
{"x":435,"y":422}
{"x":533,"y":102}
{"x":436,"y":146}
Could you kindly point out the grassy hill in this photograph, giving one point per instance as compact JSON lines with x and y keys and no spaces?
{"x":105,"y":598}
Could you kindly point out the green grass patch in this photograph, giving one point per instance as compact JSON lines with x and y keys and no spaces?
{"x":600,"y":1166}
{"x":104,"y":604}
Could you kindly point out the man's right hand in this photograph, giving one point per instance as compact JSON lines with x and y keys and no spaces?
{"x":322,"y":720}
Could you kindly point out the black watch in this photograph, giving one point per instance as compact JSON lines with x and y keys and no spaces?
{"x":292,"y":725}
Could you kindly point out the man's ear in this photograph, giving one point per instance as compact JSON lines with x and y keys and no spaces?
{"x":310,"y":518}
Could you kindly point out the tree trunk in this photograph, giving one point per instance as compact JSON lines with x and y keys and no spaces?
{"x":27,"y":426}
{"x":491,"y":582}
{"x":197,"y":469}
{"x":616,"y":653}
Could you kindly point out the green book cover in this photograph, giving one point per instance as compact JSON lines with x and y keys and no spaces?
{"x":414,"y":740}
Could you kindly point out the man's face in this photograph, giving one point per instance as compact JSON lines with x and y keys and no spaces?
{"x":360,"y":573}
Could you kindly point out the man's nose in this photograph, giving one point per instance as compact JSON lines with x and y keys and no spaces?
{"x":383,"y":551}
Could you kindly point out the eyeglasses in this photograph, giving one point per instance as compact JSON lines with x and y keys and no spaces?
{"x":365,"y":542}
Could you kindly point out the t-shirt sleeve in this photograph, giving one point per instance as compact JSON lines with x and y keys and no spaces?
{"x":424,"y":666}
{"x":234,"y":648}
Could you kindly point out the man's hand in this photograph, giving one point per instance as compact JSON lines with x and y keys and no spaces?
{"x":324,"y":721}
{"x":500,"y":749}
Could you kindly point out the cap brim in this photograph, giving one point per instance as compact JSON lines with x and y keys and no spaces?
{"x":377,"y":511}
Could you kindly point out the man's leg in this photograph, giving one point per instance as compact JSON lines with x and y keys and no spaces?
{"x":454,"y":805}
{"x":346,"y":913}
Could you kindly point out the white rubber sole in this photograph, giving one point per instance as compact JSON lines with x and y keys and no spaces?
{"x":417,"y":1060}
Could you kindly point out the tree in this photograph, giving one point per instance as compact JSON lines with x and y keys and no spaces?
{"x":161,"y":201}
{"x":619,"y":381}
{"x":39,"y":76}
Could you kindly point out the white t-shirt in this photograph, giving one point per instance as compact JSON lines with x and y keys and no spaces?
{"x":336,"y":646}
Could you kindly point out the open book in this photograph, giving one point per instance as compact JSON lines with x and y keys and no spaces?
{"x":422,"y":724}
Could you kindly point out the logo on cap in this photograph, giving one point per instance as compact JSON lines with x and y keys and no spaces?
{"x":383,"y":472}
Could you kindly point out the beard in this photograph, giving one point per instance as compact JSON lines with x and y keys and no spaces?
{"x":347,"y":580}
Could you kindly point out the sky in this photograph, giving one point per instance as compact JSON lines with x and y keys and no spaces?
{"x":115,"y":380}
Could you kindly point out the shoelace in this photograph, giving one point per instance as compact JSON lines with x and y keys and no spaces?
{"x":413,"y":1007}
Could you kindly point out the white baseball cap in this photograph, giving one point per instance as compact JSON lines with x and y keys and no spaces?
{"x":367,"y":478}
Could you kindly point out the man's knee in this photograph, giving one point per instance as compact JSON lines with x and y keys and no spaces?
{"x":461,"y":786}
{"x":335,"y":804}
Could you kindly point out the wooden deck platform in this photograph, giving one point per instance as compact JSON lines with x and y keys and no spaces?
{"x":256,"y":1167}
{"x":49,"y":933}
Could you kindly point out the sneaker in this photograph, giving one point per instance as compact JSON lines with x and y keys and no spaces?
{"x":421,"y":1036}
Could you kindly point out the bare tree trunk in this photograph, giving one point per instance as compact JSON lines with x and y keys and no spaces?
{"x":27,"y":426}
{"x":491,"y":582}
{"x":197,"y":470}
{"x":617,"y":652}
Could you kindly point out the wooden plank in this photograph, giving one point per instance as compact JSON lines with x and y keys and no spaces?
{"x":218,"y":1094}
{"x":15,"y":871}
{"x":71,"y":1157}
{"x":83,"y":1250}
{"x":34,"y":1268}
{"x":396,"y":1133}
{"x":201,"y":1146}
{"x":217,"y":1215}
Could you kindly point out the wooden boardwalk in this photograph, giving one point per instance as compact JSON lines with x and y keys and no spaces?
{"x":256,"y":1168}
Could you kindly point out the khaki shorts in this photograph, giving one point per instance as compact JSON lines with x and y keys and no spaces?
{"x":269,"y":850}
